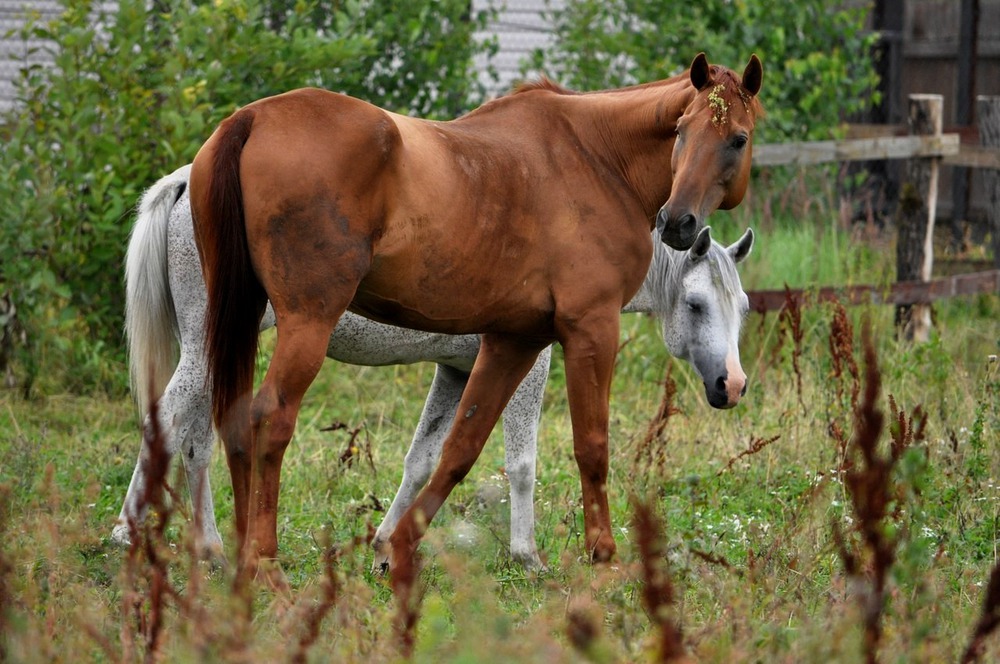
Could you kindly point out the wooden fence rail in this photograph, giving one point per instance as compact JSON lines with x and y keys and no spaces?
{"x":899,"y":293}
{"x":926,"y":148}
{"x":858,"y":149}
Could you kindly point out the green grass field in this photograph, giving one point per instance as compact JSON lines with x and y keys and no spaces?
{"x":748,"y":499}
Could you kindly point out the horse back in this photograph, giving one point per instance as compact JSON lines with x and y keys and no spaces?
{"x":489,"y":213}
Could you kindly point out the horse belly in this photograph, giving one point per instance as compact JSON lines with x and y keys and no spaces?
{"x":466,"y":266}
{"x":453,"y":303}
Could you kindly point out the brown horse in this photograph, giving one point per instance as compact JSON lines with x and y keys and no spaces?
{"x":526,"y":220}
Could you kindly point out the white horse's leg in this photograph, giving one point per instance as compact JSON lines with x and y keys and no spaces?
{"x":134,"y":508}
{"x":192,"y":424}
{"x":150,"y":327}
{"x":520,"y":428}
{"x":425,"y":450}
{"x":186,"y":426}
{"x":192,"y":428}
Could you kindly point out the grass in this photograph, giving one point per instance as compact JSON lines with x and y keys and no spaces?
{"x":740,"y":508}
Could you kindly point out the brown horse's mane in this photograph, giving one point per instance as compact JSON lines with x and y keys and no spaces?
{"x":720,"y":74}
{"x":543,"y":83}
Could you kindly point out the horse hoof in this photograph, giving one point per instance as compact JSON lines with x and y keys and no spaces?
{"x":271,"y":577}
{"x":120,"y":535}
{"x":530,"y":561}
{"x":212,"y":553}
{"x":603,"y":551}
{"x":383,"y":554}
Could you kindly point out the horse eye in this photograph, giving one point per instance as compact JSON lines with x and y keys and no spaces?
{"x":694,"y":307}
{"x":739,"y":142}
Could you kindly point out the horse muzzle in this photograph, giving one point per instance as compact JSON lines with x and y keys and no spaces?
{"x":677,"y":232}
{"x":726,"y":391}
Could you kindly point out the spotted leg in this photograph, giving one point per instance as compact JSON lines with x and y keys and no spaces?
{"x":186,"y":426}
{"x":520,"y":421}
{"x":500,"y":366}
{"x":520,"y":426}
{"x":422,"y":457}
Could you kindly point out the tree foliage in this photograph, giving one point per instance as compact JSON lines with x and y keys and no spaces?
{"x":136,"y":90}
{"x":816,"y":54}
{"x":132,"y":95}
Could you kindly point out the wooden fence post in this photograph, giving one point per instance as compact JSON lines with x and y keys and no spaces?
{"x":988,"y":112}
{"x":915,"y":218}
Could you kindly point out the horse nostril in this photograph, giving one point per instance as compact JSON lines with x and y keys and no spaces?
{"x":677,"y":232}
{"x":687,"y":225}
{"x":743,"y":392}
{"x":720,"y":384}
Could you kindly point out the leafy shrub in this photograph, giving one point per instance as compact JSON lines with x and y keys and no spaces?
{"x":132,"y":96}
{"x":817,"y":58}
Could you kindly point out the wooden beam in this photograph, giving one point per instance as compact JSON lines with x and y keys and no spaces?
{"x":964,"y":104}
{"x":975,"y":156}
{"x":915,"y":218}
{"x":858,"y":149}
{"x":988,"y":110}
{"x":905,"y":292}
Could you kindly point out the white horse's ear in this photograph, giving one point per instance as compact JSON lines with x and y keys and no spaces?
{"x":740,"y":249}
{"x":701,"y":244}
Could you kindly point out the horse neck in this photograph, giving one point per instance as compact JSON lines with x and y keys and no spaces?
{"x":634,"y":129}
{"x":661,"y":287}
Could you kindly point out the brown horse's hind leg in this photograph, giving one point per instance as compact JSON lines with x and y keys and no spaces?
{"x":235,"y":434}
{"x":590,"y":347}
{"x":298,"y":356}
{"x":500,"y":366}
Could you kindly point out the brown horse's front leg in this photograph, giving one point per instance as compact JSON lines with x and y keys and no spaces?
{"x":500,"y":366}
{"x":590,"y":346}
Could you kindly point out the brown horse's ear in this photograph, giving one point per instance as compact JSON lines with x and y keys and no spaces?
{"x":700,"y":74}
{"x":753,"y":75}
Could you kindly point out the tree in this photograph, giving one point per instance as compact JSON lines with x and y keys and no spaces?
{"x":134,"y":93}
{"x":816,"y":55}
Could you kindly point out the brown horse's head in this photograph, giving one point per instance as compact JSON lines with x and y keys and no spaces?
{"x":712,"y":153}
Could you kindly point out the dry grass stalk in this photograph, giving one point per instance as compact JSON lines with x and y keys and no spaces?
{"x":582,"y":629}
{"x":868,"y":478}
{"x":902,"y":428}
{"x":756,"y":445}
{"x":147,"y":607}
{"x":842,"y":442}
{"x":352,"y":450}
{"x":409,"y":596}
{"x":658,"y":591}
{"x":790,"y":322}
{"x":649,"y":453}
{"x":842,"y":353}
{"x":989,"y":618}
{"x":6,"y":568}
{"x":147,"y":587}
{"x":711,"y":559}
{"x":314,"y":615}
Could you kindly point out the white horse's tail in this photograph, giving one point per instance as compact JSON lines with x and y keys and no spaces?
{"x":150,"y":319}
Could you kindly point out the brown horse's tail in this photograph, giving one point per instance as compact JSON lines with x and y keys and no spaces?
{"x":236,"y":298}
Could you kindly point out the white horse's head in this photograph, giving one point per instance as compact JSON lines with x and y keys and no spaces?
{"x":703,"y":320}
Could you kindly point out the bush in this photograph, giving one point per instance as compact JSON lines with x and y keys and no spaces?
{"x":817,"y":58}
{"x":132,"y":96}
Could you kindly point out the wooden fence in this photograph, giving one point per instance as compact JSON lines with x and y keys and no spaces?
{"x":926,"y":148}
